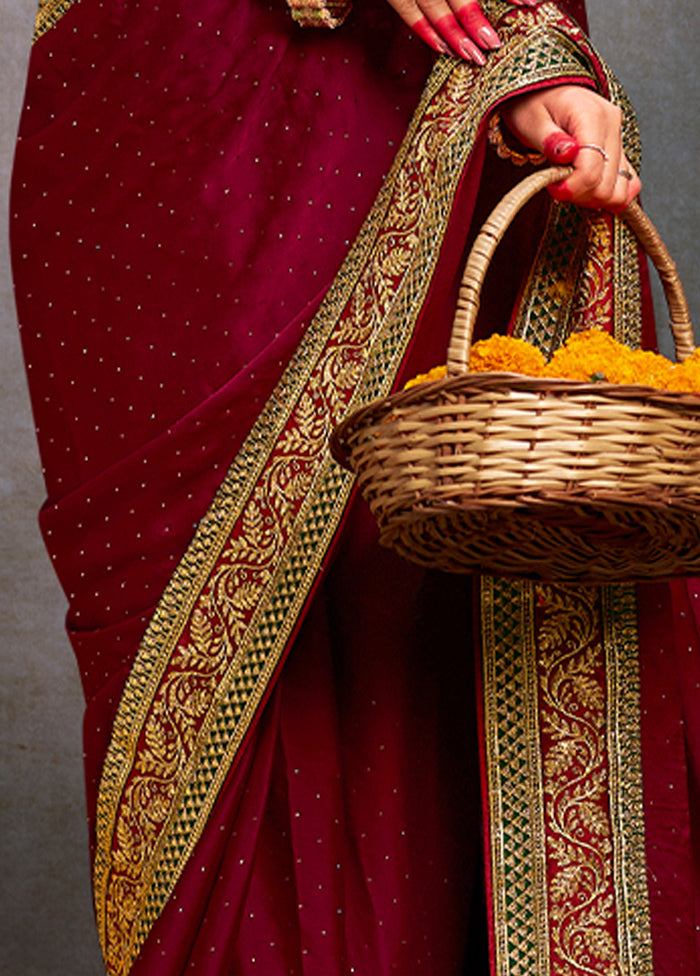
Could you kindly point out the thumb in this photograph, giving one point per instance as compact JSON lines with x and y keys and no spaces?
{"x":532,"y":123}
{"x":560,"y":147}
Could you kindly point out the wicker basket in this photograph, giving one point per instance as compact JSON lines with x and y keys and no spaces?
{"x":525,"y":477}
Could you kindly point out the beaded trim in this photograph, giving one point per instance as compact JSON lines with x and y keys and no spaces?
{"x":504,"y":151}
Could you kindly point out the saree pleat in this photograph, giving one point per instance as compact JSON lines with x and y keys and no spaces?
{"x":181,"y":209}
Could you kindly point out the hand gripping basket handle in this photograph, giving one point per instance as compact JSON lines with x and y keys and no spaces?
{"x":495,"y":227}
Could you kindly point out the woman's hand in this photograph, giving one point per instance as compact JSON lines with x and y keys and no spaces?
{"x":572,"y":124}
{"x":453,"y":26}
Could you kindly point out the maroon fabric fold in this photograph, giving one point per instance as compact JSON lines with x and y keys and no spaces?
{"x":180,"y":204}
{"x":187,"y":182}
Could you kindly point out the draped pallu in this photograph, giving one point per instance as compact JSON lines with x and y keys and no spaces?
{"x":283,"y":719}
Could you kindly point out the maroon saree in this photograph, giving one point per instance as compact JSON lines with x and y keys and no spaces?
{"x":281,"y":727}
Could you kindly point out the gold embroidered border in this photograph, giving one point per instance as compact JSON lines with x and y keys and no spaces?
{"x":219,"y":633}
{"x":328,"y":14}
{"x":572,"y":275}
{"x":537,"y":937}
{"x":625,"y":779}
{"x":627,"y":288}
{"x":562,"y":744}
{"x":628,"y":292}
{"x":578,"y":829}
{"x":593,"y":307}
{"x":545,"y":310}
{"x":48,"y":14}
{"x":514,"y":780}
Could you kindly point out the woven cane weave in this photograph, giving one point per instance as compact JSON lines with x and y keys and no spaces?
{"x":535,"y":478}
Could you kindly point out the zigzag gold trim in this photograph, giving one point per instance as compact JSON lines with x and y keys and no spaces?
{"x":545,"y":310}
{"x":514,"y":780}
{"x":48,"y":15}
{"x":598,"y":257}
{"x":220,"y":631}
{"x":621,"y":644}
{"x":563,"y":746}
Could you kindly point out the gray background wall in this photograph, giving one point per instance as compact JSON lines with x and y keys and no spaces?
{"x":45,"y":910}
{"x":46,"y":922}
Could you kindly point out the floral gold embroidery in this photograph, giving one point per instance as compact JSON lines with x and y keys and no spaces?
{"x":572,"y":693}
{"x":593,"y":307}
{"x":562,"y":729}
{"x":220,"y":632}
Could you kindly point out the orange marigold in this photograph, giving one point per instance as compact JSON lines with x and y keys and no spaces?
{"x":505,"y":354}
{"x":641,"y":367}
{"x":585,"y":356}
{"x":436,"y":373}
{"x":685,"y":376}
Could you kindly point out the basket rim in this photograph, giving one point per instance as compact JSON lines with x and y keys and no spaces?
{"x":484,"y":382}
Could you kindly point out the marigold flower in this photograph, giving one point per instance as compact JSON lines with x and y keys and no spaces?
{"x":643,"y":368}
{"x":589,"y":356}
{"x":685,"y":376}
{"x":584,"y":355}
{"x":436,"y":373}
{"x":506,"y":354}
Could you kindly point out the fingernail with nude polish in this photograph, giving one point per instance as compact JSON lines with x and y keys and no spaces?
{"x":471,"y":52}
{"x":488,"y":37}
{"x":442,"y":47}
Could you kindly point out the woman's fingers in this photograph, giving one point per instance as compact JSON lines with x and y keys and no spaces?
{"x":435,"y":22}
{"x":619,"y":188}
{"x":573,"y":124}
{"x":476,"y":26}
{"x":560,"y":147}
{"x":445,"y":30}
{"x":427,"y":33}
{"x":456,"y":27}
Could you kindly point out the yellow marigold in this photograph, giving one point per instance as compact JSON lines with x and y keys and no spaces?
{"x":640,"y":367}
{"x":685,"y":376}
{"x":505,"y":354}
{"x":436,"y":373}
{"x":585,"y":356}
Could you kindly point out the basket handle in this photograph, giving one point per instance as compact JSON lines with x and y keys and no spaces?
{"x":495,"y":227}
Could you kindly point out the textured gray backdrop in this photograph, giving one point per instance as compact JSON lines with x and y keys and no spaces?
{"x":46,"y":916}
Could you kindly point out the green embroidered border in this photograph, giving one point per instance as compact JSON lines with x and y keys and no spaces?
{"x":516,"y":827}
{"x":549,"y":294}
{"x":514,"y":778}
{"x":304,"y":555}
{"x":48,"y":15}
{"x":626,"y":797}
{"x":541,"y":55}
